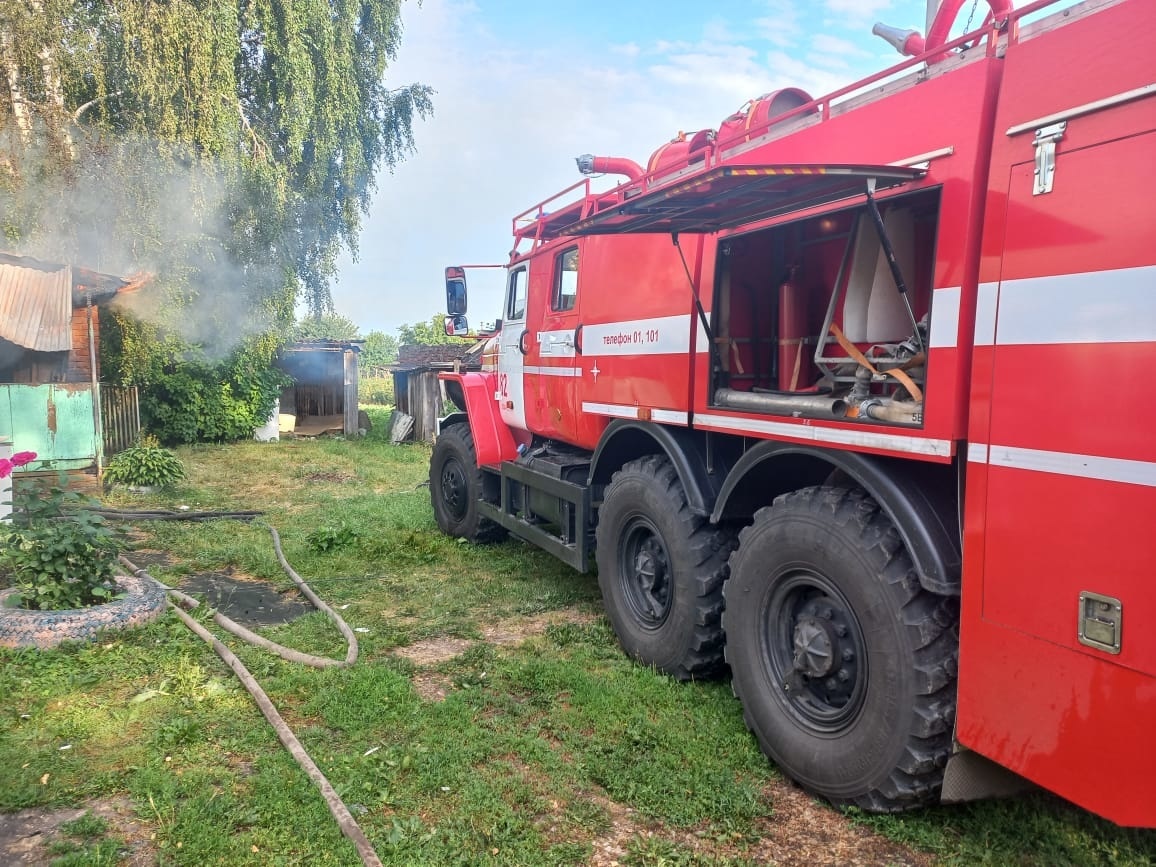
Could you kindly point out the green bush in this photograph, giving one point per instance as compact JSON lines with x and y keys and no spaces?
{"x":58,"y":553}
{"x":376,"y":390}
{"x":144,"y":466}
{"x":187,"y":396}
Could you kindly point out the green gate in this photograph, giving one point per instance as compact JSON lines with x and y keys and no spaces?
{"x":54,"y":420}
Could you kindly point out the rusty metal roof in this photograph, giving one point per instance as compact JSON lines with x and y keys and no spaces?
{"x":37,"y":298}
{"x":36,"y":305}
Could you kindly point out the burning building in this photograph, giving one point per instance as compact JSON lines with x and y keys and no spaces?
{"x":51,"y":399}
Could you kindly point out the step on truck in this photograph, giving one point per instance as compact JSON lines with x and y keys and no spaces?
{"x":849,"y":396}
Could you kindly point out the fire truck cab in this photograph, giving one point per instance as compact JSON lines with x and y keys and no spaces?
{"x":846,"y":396}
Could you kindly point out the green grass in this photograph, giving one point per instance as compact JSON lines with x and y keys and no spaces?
{"x":530,"y":759}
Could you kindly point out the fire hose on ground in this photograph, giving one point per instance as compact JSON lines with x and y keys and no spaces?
{"x":337,"y":808}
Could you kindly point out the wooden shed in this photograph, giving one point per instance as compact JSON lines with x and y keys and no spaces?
{"x":417,"y":390}
{"x":323,"y":396}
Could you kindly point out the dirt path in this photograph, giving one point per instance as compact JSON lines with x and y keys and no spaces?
{"x":27,"y":837}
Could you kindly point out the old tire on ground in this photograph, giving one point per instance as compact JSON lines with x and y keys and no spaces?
{"x":456,"y":484}
{"x":844,"y":664}
{"x":142,"y":602}
{"x":661,"y":570}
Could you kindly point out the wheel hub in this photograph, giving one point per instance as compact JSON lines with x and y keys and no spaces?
{"x":454,"y":488}
{"x":646,"y":573}
{"x":814,"y":648}
{"x":814,"y":643}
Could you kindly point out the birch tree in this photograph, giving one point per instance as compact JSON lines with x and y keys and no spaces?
{"x":274,"y":115}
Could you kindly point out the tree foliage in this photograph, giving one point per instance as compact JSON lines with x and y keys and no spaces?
{"x":277,"y":110}
{"x":229,"y":147}
{"x":186,"y":397}
{"x":427,"y":333}
{"x":328,"y":326}
{"x":378,"y":351}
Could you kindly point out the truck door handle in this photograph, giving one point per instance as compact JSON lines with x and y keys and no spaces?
{"x":522,"y":341}
{"x":576,"y":340}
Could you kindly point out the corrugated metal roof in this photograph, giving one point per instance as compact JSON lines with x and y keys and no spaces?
{"x":36,"y":306}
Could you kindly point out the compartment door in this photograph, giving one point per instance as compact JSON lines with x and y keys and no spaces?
{"x":1055,"y":684}
{"x":1072,"y":443}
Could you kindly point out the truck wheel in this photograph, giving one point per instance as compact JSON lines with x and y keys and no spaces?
{"x":456,"y":484}
{"x":661,"y":570}
{"x":844,"y":664}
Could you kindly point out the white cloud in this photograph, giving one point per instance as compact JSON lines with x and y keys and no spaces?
{"x":781,"y":24}
{"x":857,"y":9}
{"x":825,"y":43}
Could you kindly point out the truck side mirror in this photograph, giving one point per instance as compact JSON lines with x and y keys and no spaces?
{"x":456,"y":326}
{"x":455,"y":291}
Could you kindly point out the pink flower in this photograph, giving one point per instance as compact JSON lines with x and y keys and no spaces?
{"x":7,"y":465}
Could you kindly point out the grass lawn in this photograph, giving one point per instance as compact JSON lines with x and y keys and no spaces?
{"x":491,"y":718}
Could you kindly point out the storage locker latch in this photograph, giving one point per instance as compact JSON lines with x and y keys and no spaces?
{"x":1101,"y":621}
{"x":1045,"y":145}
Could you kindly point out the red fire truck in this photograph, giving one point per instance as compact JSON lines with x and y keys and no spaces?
{"x":847,"y":395}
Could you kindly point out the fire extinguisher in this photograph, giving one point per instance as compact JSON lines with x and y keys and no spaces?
{"x":794,"y":372}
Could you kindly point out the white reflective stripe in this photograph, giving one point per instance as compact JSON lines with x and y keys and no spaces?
{"x":977,"y":453}
{"x":944,"y":318}
{"x":553,"y":371}
{"x":667,"y":416}
{"x":661,"y":335}
{"x":1070,"y":464}
{"x":863,"y":438}
{"x":1116,"y":306}
{"x":611,"y":409}
{"x":986,"y":300}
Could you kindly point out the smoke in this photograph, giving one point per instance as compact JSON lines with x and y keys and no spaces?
{"x":135,"y":205}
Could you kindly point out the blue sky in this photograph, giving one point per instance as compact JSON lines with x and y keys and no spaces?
{"x":523,"y":88}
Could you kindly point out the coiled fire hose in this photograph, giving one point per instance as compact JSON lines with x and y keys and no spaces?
{"x":341,"y":814}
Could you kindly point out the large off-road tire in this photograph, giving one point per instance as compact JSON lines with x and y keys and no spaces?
{"x":844,"y":664}
{"x":661,"y":570}
{"x":456,"y":484}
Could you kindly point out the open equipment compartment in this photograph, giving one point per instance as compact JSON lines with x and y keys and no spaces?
{"x":809,"y":320}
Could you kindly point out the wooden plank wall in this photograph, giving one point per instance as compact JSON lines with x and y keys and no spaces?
{"x":350,"y":391}
{"x":424,"y":393}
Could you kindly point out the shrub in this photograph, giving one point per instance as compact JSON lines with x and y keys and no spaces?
{"x":376,"y":390}
{"x":58,"y":553}
{"x":144,"y":466}
{"x":186,"y":394}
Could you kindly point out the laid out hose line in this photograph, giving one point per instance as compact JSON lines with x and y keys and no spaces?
{"x":337,"y":808}
{"x":345,"y":820}
{"x":173,"y":515}
{"x":286,"y":653}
